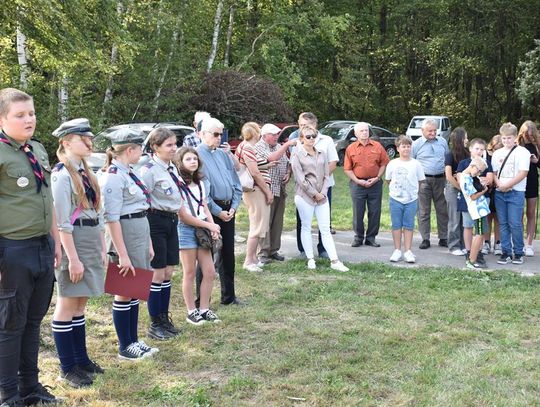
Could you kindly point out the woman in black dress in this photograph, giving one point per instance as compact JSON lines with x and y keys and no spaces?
{"x":528,"y":137}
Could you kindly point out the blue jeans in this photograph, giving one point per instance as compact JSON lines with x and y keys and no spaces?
{"x":509,"y":206}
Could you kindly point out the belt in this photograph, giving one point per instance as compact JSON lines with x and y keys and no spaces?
{"x":134,"y":215}
{"x":434,"y":176}
{"x":222,"y":203}
{"x":86,"y":222}
{"x":165,"y":214}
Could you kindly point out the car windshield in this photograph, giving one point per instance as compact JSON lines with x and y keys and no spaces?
{"x":416,"y":123}
{"x":335,"y":132}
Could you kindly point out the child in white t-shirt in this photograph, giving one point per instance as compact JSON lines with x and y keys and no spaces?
{"x":404,"y":174}
{"x":510,"y":182}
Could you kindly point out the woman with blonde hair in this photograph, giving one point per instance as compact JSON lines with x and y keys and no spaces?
{"x":312,"y":176}
{"x":81,"y":274}
{"x":258,"y":200}
{"x":529,"y":138}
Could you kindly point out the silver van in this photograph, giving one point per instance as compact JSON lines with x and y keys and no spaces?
{"x":415,"y":126}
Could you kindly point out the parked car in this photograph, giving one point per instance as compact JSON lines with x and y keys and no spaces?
{"x":286,"y":131}
{"x":101,"y":143}
{"x":415,"y":126}
{"x":342,"y":131}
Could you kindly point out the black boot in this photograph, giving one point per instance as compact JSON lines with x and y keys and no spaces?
{"x":157,"y":330}
{"x":166,"y":322}
{"x":480,"y":259}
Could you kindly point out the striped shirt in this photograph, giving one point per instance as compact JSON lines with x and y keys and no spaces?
{"x":246,"y":153}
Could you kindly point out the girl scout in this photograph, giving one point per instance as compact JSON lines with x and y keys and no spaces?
{"x":125,"y":203}
{"x":163,"y":182}
{"x":77,"y":196}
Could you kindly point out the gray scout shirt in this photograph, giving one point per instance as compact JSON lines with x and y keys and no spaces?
{"x":121,"y":196}
{"x":65,"y":198}
{"x":164,"y":192}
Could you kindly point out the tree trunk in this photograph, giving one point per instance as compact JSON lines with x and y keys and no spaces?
{"x":159,"y":20}
{"x":226,"y":59}
{"x":63,"y":99}
{"x":213,"y":50}
{"x":174,"y":40}
{"x":22,"y":56}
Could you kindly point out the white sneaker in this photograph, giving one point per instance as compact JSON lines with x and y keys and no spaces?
{"x":311,"y":264}
{"x":529,"y":251}
{"x":497,"y":249}
{"x":339,"y":266}
{"x":396,"y":255}
{"x":252,"y":267}
{"x":458,"y":252}
{"x":486,"y":248}
{"x":409,"y":257}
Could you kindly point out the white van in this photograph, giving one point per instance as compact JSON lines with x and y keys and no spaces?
{"x":415,"y":126}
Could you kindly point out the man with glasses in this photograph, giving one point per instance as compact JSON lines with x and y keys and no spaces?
{"x":365,"y":163}
{"x":224,"y":194}
{"x":326,"y":145}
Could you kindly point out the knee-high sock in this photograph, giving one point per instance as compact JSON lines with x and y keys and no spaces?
{"x":122,"y":321}
{"x":134,"y":315}
{"x":154,"y":300}
{"x":79,"y":340}
{"x":165,"y":296}
{"x":63,"y":338}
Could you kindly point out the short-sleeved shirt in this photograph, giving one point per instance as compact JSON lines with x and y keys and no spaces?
{"x":430,"y":154}
{"x":461,"y":203}
{"x":65,"y":198}
{"x":477,"y":208}
{"x":365,"y":160}
{"x":449,"y":161}
{"x":120,"y":194}
{"x":25,"y":213}
{"x":278,"y":171}
{"x":164,"y":193}
{"x":519,"y":160}
{"x":246,"y":152}
{"x":404,"y":176}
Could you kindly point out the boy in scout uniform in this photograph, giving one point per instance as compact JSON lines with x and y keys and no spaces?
{"x":29,"y":246}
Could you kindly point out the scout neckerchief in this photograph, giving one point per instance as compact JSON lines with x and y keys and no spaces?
{"x":174,"y":177}
{"x":140,"y":185}
{"x":36,"y":167}
{"x":187,"y":191}
{"x":88,"y":189}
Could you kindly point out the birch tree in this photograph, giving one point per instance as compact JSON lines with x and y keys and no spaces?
{"x":22,"y":56}
{"x":226,"y":59}
{"x":215,"y":37}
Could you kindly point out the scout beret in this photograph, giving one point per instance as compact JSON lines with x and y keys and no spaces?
{"x":125,"y":136}
{"x":79,"y":126}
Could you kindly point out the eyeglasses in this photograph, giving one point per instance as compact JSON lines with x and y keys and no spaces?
{"x":215,"y":134}
{"x":310,"y":136}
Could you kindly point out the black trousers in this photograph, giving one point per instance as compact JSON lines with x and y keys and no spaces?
{"x":372,"y":199}
{"x":224,"y":262}
{"x":26,"y":286}
{"x":320,"y":246}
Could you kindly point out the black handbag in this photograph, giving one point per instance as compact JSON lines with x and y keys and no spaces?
{"x":203,"y":235}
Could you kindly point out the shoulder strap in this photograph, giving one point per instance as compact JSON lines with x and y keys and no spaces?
{"x":188,"y":198}
{"x":504,"y":162}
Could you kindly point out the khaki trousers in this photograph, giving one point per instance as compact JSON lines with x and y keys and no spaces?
{"x":271,"y":244}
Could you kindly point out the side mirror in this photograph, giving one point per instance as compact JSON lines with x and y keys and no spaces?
{"x":353,"y":138}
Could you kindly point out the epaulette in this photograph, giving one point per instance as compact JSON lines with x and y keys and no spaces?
{"x":36,"y":139}
{"x":149,"y":164}
{"x":58,"y":167}
{"x":112,"y":169}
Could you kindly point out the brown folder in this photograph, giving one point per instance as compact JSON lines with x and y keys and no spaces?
{"x":137,"y":286}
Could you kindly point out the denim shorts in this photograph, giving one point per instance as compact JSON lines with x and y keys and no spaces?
{"x":403,"y":215}
{"x":186,"y":237}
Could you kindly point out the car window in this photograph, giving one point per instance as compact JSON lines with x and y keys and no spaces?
{"x":336,"y":133}
{"x":445,"y":125}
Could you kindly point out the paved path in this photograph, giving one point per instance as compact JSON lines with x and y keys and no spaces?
{"x":434,"y":256}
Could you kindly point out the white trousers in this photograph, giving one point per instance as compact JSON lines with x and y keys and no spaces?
{"x":322,"y":214}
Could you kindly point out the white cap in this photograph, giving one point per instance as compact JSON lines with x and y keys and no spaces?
{"x":270,"y":129}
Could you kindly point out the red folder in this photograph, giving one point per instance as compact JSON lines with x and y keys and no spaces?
{"x":137,"y":286}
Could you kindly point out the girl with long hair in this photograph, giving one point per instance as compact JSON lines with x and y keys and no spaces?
{"x":77,"y":198}
{"x":194,"y":200}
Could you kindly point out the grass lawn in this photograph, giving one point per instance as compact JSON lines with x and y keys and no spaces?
{"x":376,"y":336}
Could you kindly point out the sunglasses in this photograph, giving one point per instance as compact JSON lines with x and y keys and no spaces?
{"x":310,"y":136}
{"x":216,"y":134}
